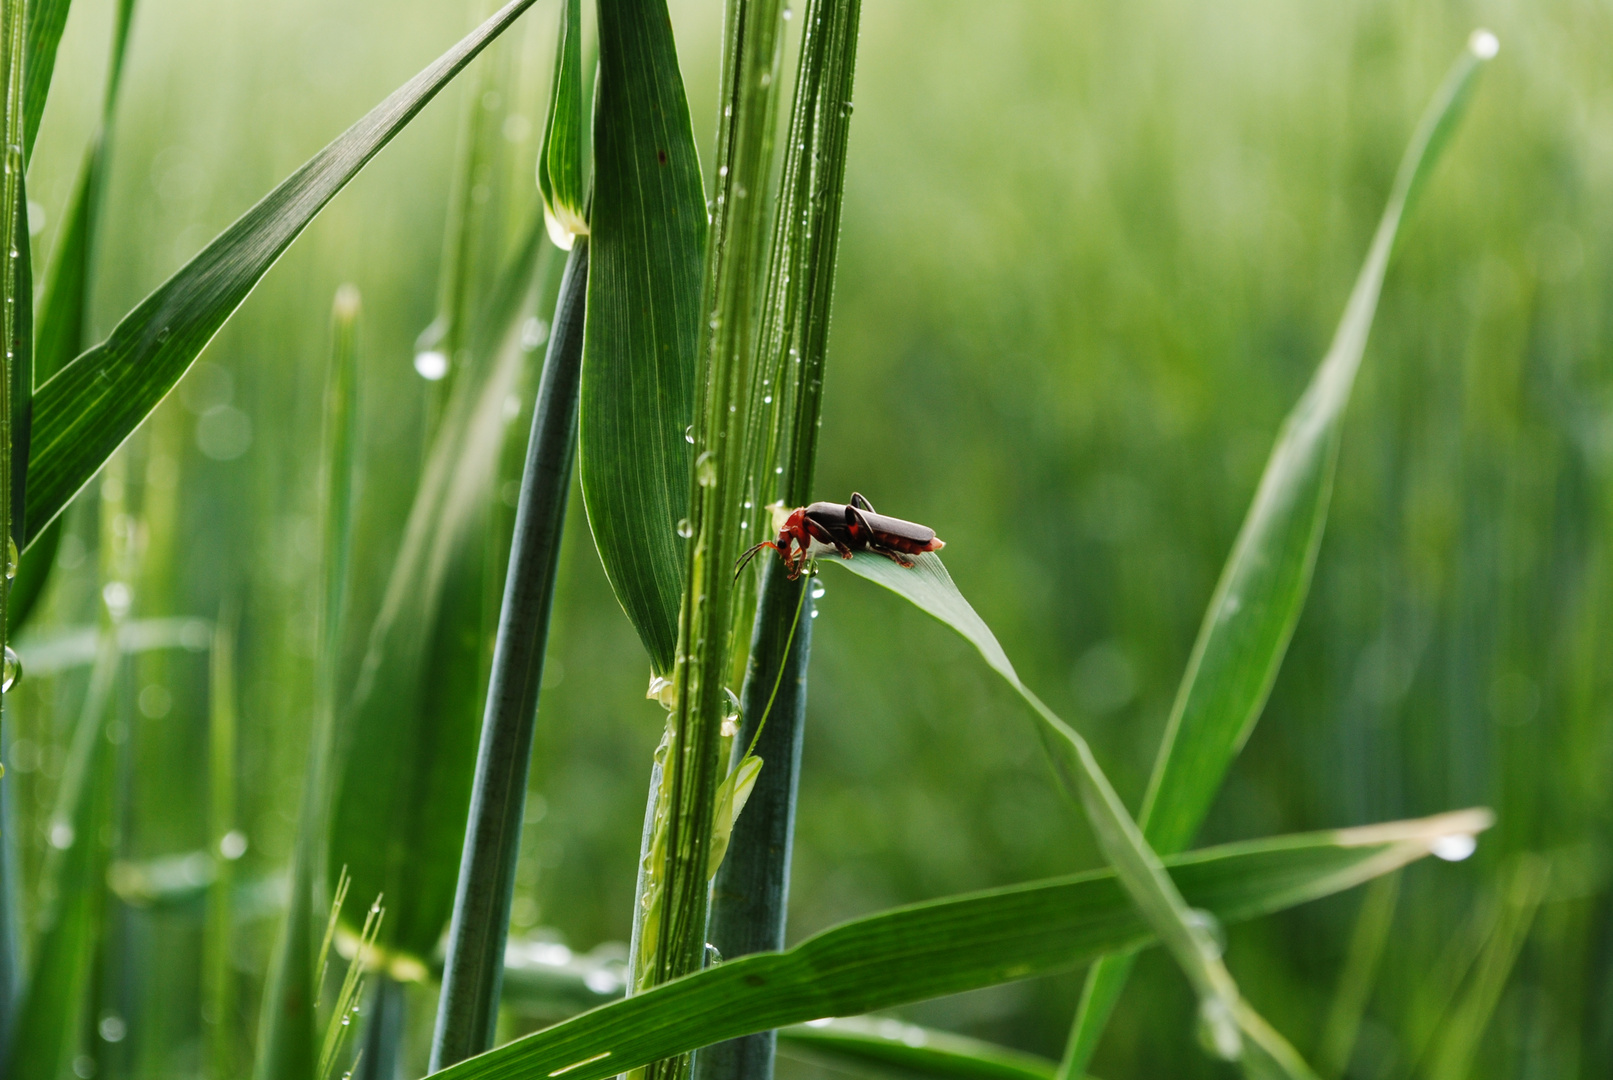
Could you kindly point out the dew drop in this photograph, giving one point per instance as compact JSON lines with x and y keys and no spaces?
{"x":1211,"y":926}
{"x":688,"y":434}
{"x":61,"y":836}
{"x":778,"y":470}
{"x":685,"y":529}
{"x":11,"y":559}
{"x":431,"y":365}
{"x":722,"y":170}
{"x":814,"y":613}
{"x":713,"y":957}
{"x":768,"y":400}
{"x":1452,"y":848}
{"x":12,"y":671}
{"x":705,"y":469}
{"x":817,"y":589}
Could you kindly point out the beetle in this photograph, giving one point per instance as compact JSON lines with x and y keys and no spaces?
{"x":845,"y":529}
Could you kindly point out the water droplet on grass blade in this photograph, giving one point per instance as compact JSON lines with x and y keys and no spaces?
{"x":11,"y":559}
{"x":1218,"y":1031}
{"x":817,"y":589}
{"x":685,"y":529}
{"x":688,"y":434}
{"x":1211,"y":926}
{"x":12,"y":671}
{"x":61,"y":836}
{"x":705,"y":469}
{"x":117,"y":597}
{"x":432,"y":365}
{"x":1455,"y":847}
{"x":1484,"y":44}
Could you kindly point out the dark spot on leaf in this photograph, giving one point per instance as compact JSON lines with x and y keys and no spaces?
{"x":755,"y":980}
{"x":661,"y":154}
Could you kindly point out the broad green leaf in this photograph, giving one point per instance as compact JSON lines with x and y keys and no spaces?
{"x":949,"y":946}
{"x":908,"y":1050}
{"x":409,"y":741}
{"x":87,"y":409}
{"x":647,"y":241}
{"x":1255,"y":606}
{"x":560,"y":160}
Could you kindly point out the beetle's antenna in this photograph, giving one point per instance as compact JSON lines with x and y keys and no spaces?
{"x":739,"y":564}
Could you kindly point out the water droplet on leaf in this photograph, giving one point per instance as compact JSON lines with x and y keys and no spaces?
{"x":685,"y":529}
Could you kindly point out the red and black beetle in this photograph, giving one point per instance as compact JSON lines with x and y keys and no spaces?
{"x":845,"y":529}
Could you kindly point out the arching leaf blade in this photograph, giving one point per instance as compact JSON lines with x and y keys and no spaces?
{"x":1256,"y":605}
{"x":86,"y":410}
{"x":949,"y":946}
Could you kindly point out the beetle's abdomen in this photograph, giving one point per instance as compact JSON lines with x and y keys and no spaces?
{"x":908,"y":537}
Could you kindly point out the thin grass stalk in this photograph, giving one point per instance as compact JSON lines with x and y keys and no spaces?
{"x":13,"y":26}
{"x":1372,"y":925}
{"x":751,"y":893}
{"x":218,"y":992}
{"x":670,"y":935}
{"x":468,"y":1012}
{"x":287,"y":1026}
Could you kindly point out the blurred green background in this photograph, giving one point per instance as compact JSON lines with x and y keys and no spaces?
{"x":1092,"y":252}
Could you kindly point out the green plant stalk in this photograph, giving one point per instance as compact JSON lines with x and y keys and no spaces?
{"x":468,"y":1012}
{"x":218,"y":975}
{"x":288,"y":1030}
{"x":949,"y":946}
{"x":680,"y":872}
{"x":1252,"y":614}
{"x":751,"y":893}
{"x":16,"y":297}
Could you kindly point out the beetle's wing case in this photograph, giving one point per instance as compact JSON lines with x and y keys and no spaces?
{"x":896,"y":527}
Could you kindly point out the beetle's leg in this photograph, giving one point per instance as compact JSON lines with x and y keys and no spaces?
{"x":893,"y":555}
{"x":824,"y":536}
{"x":861,"y":503}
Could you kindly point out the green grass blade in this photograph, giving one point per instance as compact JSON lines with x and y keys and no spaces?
{"x":560,"y":159}
{"x":1251,"y":616}
{"x":908,"y":1050}
{"x":1465,"y":1026}
{"x":409,"y":742}
{"x":949,"y":946}
{"x":87,"y":409}
{"x":47,"y":1021}
{"x":647,"y":238}
{"x":1355,"y":982}
{"x":468,"y":1013}
{"x":218,"y":975}
{"x":927,"y":585}
{"x":46,"y":20}
{"x":287,"y":1023}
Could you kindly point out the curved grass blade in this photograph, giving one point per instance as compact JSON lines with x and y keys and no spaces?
{"x":560,"y":159}
{"x":647,"y":241}
{"x":949,"y":946}
{"x":87,"y":409}
{"x":468,"y":1011}
{"x":908,"y":1050}
{"x":1337,"y":1044}
{"x":1256,"y":604}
